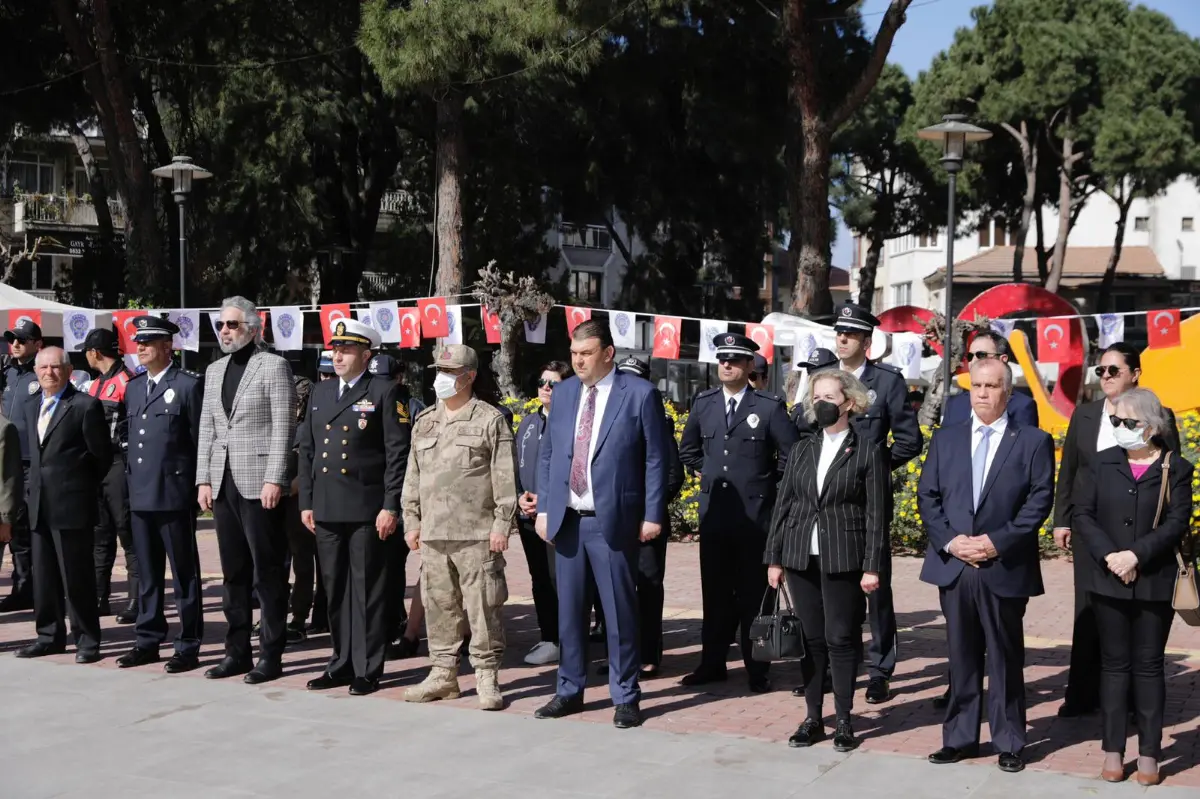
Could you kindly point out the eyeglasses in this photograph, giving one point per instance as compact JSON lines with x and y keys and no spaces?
{"x":1110,"y":371}
{"x":981,"y":355}
{"x":231,"y":324}
{"x":550,"y":384}
{"x":733,"y":359}
{"x":1130,"y":424}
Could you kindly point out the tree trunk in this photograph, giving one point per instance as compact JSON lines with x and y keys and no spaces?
{"x":1114,"y":257}
{"x":1057,"y":261}
{"x":931,"y":407}
{"x":451,"y":167}
{"x":870,"y":267}
{"x":1029,"y":162}
{"x":1040,"y":247}
{"x":110,"y":278}
{"x":504,"y":359}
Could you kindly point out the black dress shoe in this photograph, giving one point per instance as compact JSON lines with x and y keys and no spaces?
{"x":942,"y":702}
{"x":626,"y":717}
{"x":560,"y":706}
{"x":265,"y":671}
{"x":103,"y":608}
{"x":949,"y":754}
{"x":1011,"y":762}
{"x":843,"y":737}
{"x":363,"y":686}
{"x":327,"y":681}
{"x":878,"y":691}
{"x":808,"y":733}
{"x":41,"y":650}
{"x":228,"y":667}
{"x":87,"y":656}
{"x":295,"y":633}
{"x":16,"y":602}
{"x":701,"y":677}
{"x":318,"y":628}
{"x":178,"y":663}
{"x":129,"y":614}
{"x":1070,"y":710}
{"x":760,"y":685}
{"x":137,"y":657}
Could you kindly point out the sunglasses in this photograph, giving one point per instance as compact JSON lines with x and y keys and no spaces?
{"x":1130,"y":424}
{"x":232,"y":325}
{"x":550,"y":384}
{"x":1109,"y":371}
{"x":981,"y":355}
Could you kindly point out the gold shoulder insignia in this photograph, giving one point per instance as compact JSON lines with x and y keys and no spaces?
{"x":402,"y":413}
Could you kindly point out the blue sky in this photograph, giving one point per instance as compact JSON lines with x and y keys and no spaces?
{"x":930,"y":29}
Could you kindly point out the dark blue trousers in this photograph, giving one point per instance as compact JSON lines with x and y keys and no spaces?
{"x":156,"y":537}
{"x":580,"y":548}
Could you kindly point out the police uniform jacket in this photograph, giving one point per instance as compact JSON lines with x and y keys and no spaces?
{"x":739,"y":465}
{"x":109,"y":388}
{"x":20,"y":383}
{"x":887,"y":413}
{"x":164,"y":434}
{"x":354,"y":450}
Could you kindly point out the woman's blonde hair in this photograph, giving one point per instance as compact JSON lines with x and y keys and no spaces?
{"x":852,"y":388}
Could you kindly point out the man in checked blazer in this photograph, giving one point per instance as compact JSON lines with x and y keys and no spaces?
{"x":247,"y":424}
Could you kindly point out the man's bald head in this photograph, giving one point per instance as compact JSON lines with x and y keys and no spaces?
{"x":53,"y":368}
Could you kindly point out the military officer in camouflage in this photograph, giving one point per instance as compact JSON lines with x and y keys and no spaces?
{"x":460,"y":501}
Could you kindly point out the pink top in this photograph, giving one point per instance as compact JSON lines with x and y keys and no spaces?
{"x":1139,"y":469}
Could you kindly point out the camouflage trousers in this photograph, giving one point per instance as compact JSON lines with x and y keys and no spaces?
{"x":462,"y":583}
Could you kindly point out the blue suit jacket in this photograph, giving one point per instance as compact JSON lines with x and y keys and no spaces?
{"x":1016,"y":499}
{"x":1021,"y":409}
{"x":629,"y":467}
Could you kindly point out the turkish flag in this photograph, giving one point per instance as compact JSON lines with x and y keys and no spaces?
{"x":410,"y":327}
{"x":576,"y":316}
{"x":433,"y":317}
{"x":125,"y":328}
{"x":328,"y":314}
{"x":17,"y":314}
{"x":1054,"y":340}
{"x":764,"y":337}
{"x":666,"y":337}
{"x":1162,"y":328}
{"x":491,"y":325}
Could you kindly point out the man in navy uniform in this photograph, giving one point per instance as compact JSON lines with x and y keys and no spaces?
{"x":104,"y":355}
{"x":20,"y":383}
{"x":889,"y":413}
{"x":353,"y":455}
{"x":738,"y":439}
{"x":164,"y":405}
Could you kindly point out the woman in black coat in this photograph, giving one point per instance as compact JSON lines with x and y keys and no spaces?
{"x":1116,"y":500}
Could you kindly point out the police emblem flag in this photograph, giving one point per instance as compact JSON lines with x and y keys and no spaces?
{"x":709,"y":330}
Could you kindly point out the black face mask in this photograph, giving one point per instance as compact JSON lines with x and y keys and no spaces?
{"x":827,"y":413}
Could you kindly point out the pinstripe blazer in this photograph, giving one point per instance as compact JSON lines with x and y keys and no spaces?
{"x":850,"y":513}
{"x":256,"y":437}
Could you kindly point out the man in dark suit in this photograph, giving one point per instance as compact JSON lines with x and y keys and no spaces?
{"x":164,"y":410}
{"x":983,"y":525}
{"x":601,"y":492}
{"x":354,"y":447}
{"x":738,"y":440}
{"x":1021,"y":407}
{"x":889,"y":413}
{"x":70,"y":453}
{"x":20,"y":384}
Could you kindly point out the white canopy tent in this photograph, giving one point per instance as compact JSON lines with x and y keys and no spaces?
{"x":51,"y":313}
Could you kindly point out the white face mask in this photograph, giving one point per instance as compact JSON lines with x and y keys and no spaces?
{"x":445,"y":386}
{"x":1129,"y":439}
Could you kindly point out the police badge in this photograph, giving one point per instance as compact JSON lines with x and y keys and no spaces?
{"x":33,"y":388}
{"x":871,"y":396}
{"x":752,"y":420}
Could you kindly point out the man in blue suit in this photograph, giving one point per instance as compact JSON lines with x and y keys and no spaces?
{"x":1021,"y":407}
{"x":602,"y":487}
{"x":982,"y":554}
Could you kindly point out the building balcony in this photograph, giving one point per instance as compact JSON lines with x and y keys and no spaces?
{"x":585,"y":245}
{"x":58,"y":212}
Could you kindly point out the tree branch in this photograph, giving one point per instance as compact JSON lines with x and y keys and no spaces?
{"x":892,"y":20}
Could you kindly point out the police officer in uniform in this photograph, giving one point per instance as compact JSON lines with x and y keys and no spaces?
{"x":889,"y":413}
{"x":738,"y":439}
{"x":353,"y":456}
{"x":164,"y":404}
{"x":20,"y":384}
{"x":103,"y":355}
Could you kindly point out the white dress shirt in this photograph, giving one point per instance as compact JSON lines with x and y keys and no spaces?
{"x":830,"y":445}
{"x":856,"y":372}
{"x":1105,"y":438}
{"x":344,"y":385}
{"x":153,"y":380}
{"x":998,"y":427}
{"x":603,"y":390}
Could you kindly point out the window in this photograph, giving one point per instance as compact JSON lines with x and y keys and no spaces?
{"x":586,"y":286}
{"x":877,"y":300}
{"x":1141,"y":224}
{"x":1187,"y":224}
{"x":901,"y":294}
{"x":999,"y":234}
{"x":44,"y":276}
{"x":985,"y":233}
{"x":33,"y":177}
{"x":589,"y":237}
{"x":927,"y":240}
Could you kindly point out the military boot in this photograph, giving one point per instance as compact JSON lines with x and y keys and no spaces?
{"x":487,"y":686}
{"x":442,"y":683}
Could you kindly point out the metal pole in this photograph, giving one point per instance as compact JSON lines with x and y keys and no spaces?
{"x":948,"y":364}
{"x":181,"y":201}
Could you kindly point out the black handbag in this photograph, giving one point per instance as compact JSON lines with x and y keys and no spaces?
{"x":776,"y":635}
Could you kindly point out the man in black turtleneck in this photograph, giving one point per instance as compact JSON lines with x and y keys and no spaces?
{"x":247,"y":427}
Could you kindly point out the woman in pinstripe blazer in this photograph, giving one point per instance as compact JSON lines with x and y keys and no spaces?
{"x":826,"y":545}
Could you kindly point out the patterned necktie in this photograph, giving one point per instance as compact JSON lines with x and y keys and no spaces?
{"x":583,"y":444}
{"x":979,"y":464}
{"x":729,"y":413}
{"x":45,"y":416}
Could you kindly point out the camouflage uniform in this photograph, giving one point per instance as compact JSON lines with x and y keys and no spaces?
{"x":460,"y":487}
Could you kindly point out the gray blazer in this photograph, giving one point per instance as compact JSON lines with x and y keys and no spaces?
{"x":12,"y":474}
{"x":256,"y":437}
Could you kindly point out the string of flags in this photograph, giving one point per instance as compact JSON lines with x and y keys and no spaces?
{"x":1059,"y":337}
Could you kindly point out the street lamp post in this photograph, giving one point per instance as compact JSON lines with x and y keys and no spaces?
{"x":181,"y":171}
{"x":953,"y":132}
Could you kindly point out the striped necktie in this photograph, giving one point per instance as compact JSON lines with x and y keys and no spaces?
{"x":44,"y":418}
